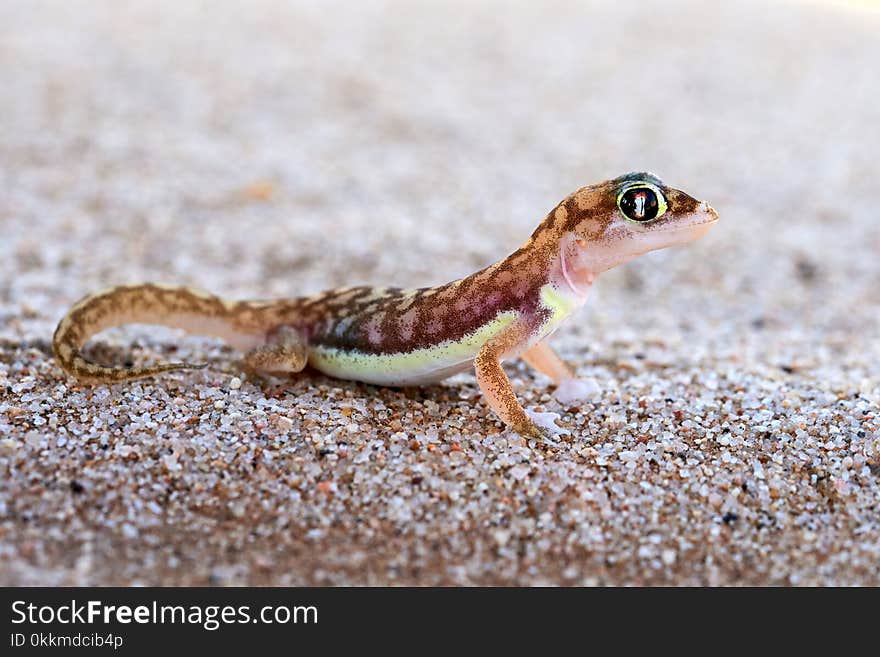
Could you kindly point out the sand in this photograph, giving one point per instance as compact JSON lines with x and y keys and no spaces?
{"x":280,"y":149}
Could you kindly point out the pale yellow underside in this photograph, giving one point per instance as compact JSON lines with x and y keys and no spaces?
{"x":433,"y":364}
{"x":559,"y":304}
{"x":416,"y":367}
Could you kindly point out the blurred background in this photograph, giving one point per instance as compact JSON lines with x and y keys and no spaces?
{"x":267,"y":149}
{"x":279,"y":148}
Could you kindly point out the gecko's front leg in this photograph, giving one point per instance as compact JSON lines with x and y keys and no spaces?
{"x":495,"y":384}
{"x":569,"y":388}
{"x":284,"y":353}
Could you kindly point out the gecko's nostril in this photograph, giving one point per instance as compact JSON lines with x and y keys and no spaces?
{"x":710,"y":210}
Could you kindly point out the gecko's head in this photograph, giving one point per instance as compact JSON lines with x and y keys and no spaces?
{"x":620,"y":219}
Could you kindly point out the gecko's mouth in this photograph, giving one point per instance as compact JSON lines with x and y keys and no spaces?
{"x":705,"y":215}
{"x":686,"y":229}
{"x":693,"y":227}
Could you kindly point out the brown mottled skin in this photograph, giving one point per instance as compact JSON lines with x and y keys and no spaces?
{"x":397,"y":337}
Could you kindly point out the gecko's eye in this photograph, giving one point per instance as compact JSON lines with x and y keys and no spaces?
{"x":641,"y":203}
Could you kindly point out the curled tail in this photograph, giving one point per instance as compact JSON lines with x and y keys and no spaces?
{"x":242,"y":324}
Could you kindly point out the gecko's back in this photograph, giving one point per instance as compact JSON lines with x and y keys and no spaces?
{"x":395,"y":336}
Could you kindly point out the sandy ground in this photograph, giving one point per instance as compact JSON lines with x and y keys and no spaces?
{"x":282,"y":149}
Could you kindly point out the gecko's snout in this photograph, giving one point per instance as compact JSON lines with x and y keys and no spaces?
{"x":708,"y":209}
{"x":704,"y":219}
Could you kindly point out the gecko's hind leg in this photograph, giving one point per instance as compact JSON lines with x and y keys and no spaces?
{"x":285,"y":353}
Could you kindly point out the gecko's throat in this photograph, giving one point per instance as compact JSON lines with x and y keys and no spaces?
{"x":575,"y":269}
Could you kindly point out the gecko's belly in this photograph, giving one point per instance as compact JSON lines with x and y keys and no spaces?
{"x":416,"y":367}
{"x":383,"y":369}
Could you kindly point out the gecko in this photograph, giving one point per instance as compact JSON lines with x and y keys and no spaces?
{"x":392,"y":336}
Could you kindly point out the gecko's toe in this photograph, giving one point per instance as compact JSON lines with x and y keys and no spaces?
{"x":542,"y":427}
{"x":545,"y":421}
{"x":575,"y":390}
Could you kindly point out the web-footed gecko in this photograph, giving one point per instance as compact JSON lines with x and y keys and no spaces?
{"x":399,"y":337}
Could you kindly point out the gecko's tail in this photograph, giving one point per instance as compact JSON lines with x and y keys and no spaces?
{"x":196,"y":312}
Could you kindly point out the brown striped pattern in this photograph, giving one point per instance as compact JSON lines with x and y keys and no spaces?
{"x":146,"y":303}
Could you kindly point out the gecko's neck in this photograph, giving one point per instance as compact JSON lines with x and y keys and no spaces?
{"x":556,"y":255}
{"x":544,"y":268}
